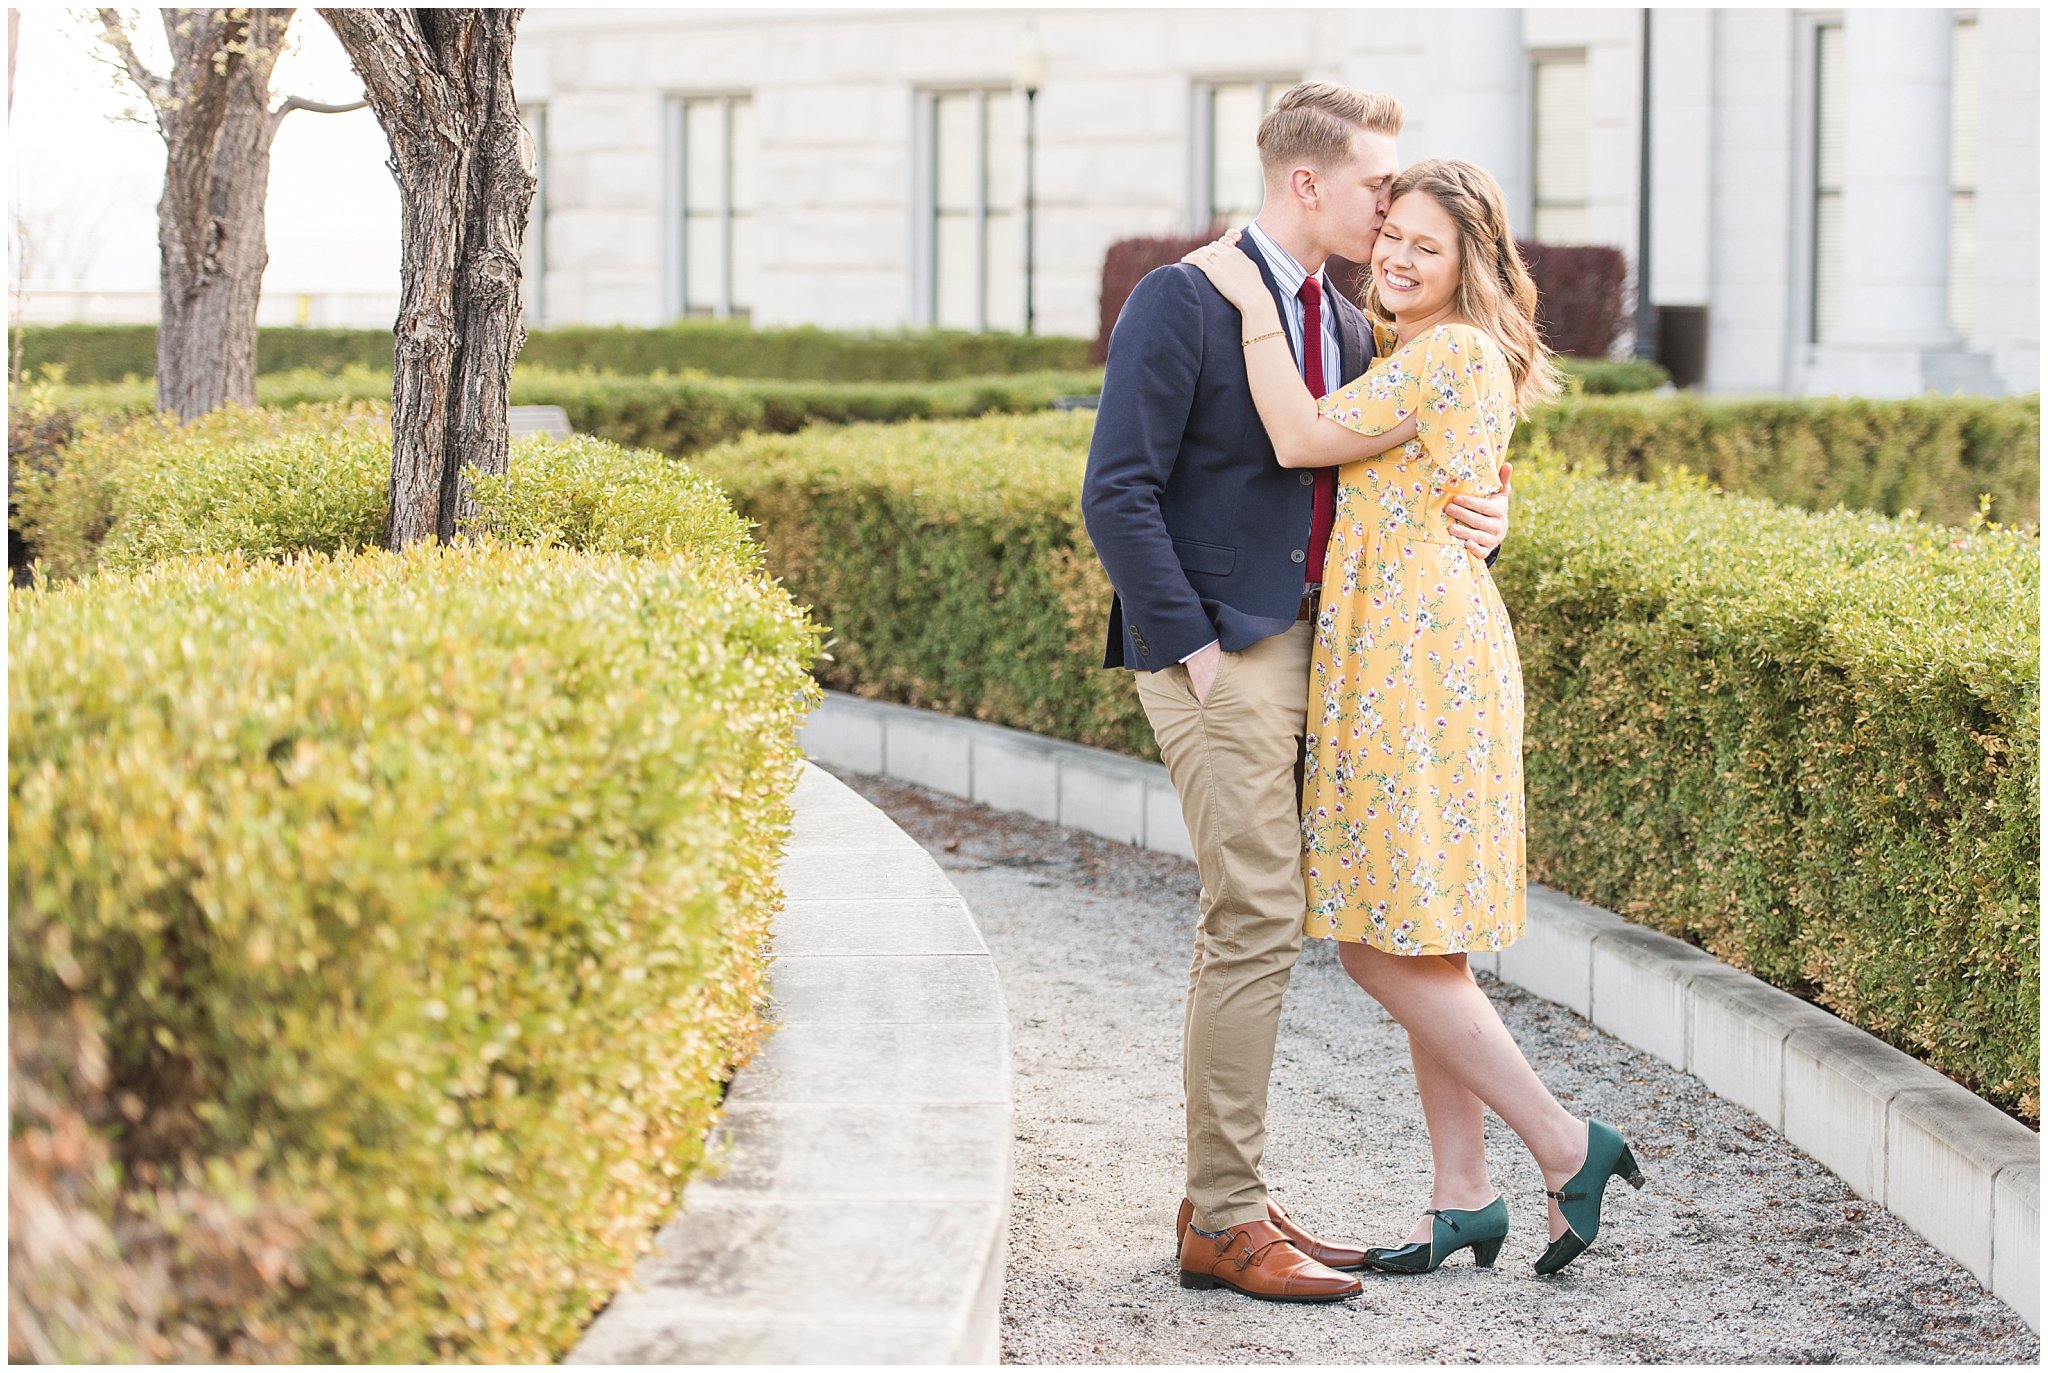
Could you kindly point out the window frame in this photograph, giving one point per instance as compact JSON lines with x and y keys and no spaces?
{"x":924,"y":276}
{"x":1535,"y":59}
{"x":1807,"y":206}
{"x":676,"y":209}
{"x":1202,"y":90}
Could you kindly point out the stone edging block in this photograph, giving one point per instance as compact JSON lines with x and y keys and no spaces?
{"x":879,"y":1106}
{"x":1951,"y":1165}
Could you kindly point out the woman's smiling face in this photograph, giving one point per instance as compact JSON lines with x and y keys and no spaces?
{"x":1415,"y":264}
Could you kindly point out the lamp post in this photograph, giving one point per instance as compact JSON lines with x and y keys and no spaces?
{"x":1029,"y":76}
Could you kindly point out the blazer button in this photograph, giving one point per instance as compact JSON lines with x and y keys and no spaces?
{"x":1308,"y":479}
{"x":1299,"y":555}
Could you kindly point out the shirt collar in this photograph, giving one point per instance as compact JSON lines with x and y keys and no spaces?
{"x":1287,"y":273}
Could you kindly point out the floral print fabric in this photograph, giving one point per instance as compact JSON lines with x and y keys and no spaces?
{"x":1413,"y":828}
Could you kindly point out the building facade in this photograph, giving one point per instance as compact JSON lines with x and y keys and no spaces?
{"x":1837,"y":200}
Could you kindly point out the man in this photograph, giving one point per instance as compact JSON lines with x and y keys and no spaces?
{"x":1214,"y":552}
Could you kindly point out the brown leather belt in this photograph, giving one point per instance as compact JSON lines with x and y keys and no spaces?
{"x":1311,"y":601}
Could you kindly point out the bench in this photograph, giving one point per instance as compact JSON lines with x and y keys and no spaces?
{"x":538,"y":419}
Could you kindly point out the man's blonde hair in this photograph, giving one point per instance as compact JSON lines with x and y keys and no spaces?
{"x":1314,"y":123}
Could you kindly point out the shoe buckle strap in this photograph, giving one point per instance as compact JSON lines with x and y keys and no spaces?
{"x":1445,"y":1217}
{"x":1231,"y":1239}
{"x":1566,"y":1196}
{"x":1254,"y":1255}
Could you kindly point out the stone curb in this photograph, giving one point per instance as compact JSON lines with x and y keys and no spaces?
{"x":860,"y":1208}
{"x":1951,"y":1165}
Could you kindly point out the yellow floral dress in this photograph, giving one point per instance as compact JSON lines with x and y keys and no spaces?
{"x":1412,"y":819}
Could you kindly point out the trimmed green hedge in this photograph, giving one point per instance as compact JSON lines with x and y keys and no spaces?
{"x":1936,"y":455}
{"x":672,"y":414}
{"x":1604,"y":377}
{"x":1808,"y":742}
{"x":109,"y":352}
{"x":382,"y":928}
{"x":263,"y":483}
{"x":267,"y":483}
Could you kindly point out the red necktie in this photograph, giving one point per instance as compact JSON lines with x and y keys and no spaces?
{"x":1325,"y":477}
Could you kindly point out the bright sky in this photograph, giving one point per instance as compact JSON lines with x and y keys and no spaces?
{"x":86,"y":184}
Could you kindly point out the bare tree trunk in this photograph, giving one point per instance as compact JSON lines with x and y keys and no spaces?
{"x":212,"y":271}
{"x":213,"y":112}
{"x":441,"y":84}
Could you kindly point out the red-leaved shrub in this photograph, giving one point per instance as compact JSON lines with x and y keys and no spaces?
{"x":1123,"y":267}
{"x":1581,"y":296}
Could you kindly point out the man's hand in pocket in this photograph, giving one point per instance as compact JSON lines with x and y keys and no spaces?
{"x":1202,"y":671}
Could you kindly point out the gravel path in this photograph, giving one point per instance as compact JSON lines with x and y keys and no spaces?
{"x":1741,"y":1249}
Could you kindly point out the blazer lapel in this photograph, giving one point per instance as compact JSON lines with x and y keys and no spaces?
{"x":1354,"y":340}
{"x":1354,"y":335}
{"x":1250,"y":250}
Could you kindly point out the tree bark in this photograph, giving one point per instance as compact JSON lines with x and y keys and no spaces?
{"x":213,"y":112}
{"x":206,"y":335}
{"x":441,"y":84}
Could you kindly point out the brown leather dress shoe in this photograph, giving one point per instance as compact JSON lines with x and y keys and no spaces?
{"x":1339,"y":1256}
{"x":1256,"y":1259}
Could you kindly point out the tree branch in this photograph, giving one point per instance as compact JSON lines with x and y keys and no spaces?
{"x":154,"y":88}
{"x":316,"y":107}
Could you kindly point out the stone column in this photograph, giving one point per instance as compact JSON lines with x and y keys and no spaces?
{"x":1478,"y":98}
{"x":1893,"y":336}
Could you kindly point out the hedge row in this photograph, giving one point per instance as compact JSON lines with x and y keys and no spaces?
{"x":90,"y":354}
{"x":382,"y":928}
{"x":1937,"y":455}
{"x":109,"y":352}
{"x":672,"y":414}
{"x":1808,"y":742}
{"x":1940,"y":456}
{"x":268,"y":483}
{"x":1603,"y":377}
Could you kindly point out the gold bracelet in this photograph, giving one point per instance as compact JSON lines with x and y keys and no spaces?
{"x":1277,"y":333}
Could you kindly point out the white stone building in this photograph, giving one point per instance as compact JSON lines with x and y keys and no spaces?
{"x":1839,"y":200}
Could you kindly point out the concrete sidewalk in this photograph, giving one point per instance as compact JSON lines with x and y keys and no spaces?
{"x":1741,"y":1250}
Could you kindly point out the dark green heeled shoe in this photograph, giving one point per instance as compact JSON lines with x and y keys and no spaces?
{"x":1481,"y":1231}
{"x":1607,"y":1156}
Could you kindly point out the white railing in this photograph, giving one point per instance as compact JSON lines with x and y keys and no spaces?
{"x":48,"y":304}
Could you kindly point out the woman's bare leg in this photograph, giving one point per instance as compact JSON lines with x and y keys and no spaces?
{"x":1450,"y":1019}
{"x":1457,"y":1137}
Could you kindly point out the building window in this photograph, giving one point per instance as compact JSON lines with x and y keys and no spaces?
{"x":974,"y":246}
{"x":1828,"y":138}
{"x":711,"y":233}
{"x":1230,"y":184}
{"x":1562,"y":156}
{"x":533,"y":252}
{"x":1962,"y":179}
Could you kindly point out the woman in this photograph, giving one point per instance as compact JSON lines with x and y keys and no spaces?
{"x":1412,"y":792}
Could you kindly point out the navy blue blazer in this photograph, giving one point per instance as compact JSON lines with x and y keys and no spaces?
{"x":1203,"y":533}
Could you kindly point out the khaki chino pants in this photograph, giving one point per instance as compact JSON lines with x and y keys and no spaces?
{"x":1235,"y":762}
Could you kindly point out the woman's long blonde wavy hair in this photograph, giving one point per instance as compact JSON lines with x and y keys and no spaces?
{"x":1495,"y":291}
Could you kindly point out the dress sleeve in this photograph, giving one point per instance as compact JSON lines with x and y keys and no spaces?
{"x":1454,"y":385}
